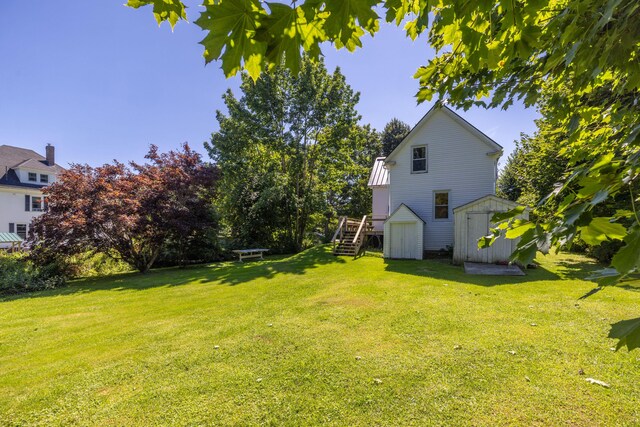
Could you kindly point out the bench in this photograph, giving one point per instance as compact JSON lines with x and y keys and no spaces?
{"x":250,"y":253}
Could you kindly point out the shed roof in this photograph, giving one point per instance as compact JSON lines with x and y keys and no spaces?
{"x":483,"y":198}
{"x":379,"y":174}
{"x":402,"y":205}
{"x":10,"y":238}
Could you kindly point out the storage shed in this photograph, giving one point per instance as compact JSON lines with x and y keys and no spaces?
{"x":404,"y":233}
{"x":472,"y":221}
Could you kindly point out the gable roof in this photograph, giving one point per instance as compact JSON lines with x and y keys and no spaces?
{"x":16,"y":157}
{"x":402,"y":205}
{"x":39,"y":165}
{"x":488,"y":196}
{"x":379,"y":174}
{"x":439,"y":106}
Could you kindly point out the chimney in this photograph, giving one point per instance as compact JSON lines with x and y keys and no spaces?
{"x":51,"y":154}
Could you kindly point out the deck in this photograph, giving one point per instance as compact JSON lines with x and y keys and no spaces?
{"x":354,"y":235}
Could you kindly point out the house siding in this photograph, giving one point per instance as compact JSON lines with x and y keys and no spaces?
{"x":12,"y":203}
{"x":380,"y":206}
{"x":457,"y":162}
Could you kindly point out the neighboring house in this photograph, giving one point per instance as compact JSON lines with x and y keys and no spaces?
{"x":23,"y":174}
{"x":442,"y":164}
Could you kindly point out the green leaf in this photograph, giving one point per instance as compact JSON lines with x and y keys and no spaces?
{"x":487,"y":241}
{"x":574,"y":213}
{"x":341,"y":23}
{"x":627,"y":332}
{"x":501,"y":216}
{"x":599,"y":197}
{"x":163,"y":10}
{"x":397,"y":10}
{"x":519,"y":230}
{"x":232,"y":26}
{"x":601,"y":229}
{"x":282,"y":35}
{"x":628,"y":257}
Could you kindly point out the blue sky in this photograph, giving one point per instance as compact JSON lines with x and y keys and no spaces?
{"x":102,"y":81}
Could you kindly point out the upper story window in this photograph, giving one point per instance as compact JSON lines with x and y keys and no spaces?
{"x":441,"y":205}
{"x":33,"y":177}
{"x":44,"y":178}
{"x":36,"y":203}
{"x":419,"y":159}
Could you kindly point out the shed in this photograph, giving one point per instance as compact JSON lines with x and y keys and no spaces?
{"x":403,"y":232}
{"x":10,"y":241}
{"x":472,"y":221}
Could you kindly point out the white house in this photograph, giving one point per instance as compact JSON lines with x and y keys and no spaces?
{"x":23,"y":174}
{"x":443,"y":163}
{"x":379,"y":184}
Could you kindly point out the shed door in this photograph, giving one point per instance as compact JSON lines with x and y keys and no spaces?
{"x":477,"y":226}
{"x":404,"y":240}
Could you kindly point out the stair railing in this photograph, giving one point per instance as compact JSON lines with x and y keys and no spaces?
{"x":337,"y":236}
{"x":358,"y":239}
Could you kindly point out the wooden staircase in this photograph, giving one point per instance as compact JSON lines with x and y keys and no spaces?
{"x":351,"y":235}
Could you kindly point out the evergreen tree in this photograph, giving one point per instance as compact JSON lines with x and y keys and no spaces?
{"x":393,"y":134}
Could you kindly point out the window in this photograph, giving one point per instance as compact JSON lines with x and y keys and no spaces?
{"x":21,"y":230}
{"x":33,"y":177}
{"x":419,"y":159}
{"x":36,"y":203}
{"x":441,"y":202}
{"x":44,"y":178}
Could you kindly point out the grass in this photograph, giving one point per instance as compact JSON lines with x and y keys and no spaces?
{"x":313,"y":339}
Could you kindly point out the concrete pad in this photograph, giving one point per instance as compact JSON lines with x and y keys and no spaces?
{"x":492,"y":269}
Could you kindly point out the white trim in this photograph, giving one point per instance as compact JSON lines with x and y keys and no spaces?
{"x":426,"y":158}
{"x":26,"y":229}
{"x":488,"y":196}
{"x":408,"y":208}
{"x":449,"y":217}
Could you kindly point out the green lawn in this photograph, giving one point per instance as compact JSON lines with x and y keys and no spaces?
{"x":313,"y":339}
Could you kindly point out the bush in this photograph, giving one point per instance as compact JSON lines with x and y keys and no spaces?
{"x":19,"y":274}
{"x":199,"y":248}
{"x":604,"y":252}
{"x":91,"y":264}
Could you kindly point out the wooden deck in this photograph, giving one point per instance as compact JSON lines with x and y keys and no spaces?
{"x":352,"y":235}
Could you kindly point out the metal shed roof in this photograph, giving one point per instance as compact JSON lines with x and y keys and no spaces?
{"x":379,"y":175}
{"x":9,"y":238}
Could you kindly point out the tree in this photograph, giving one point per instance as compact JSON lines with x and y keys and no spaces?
{"x":534,"y":168}
{"x":287,"y":144}
{"x":579,"y":58}
{"x":128,"y":213}
{"x":348,"y":191}
{"x":393,"y":134}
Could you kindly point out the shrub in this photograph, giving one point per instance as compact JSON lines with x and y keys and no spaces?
{"x":604,"y":252}
{"x":91,"y":264}
{"x":19,"y":274}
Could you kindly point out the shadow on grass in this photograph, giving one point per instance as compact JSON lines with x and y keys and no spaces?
{"x":443,"y":269}
{"x":226,"y":273}
{"x":576,"y":268}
